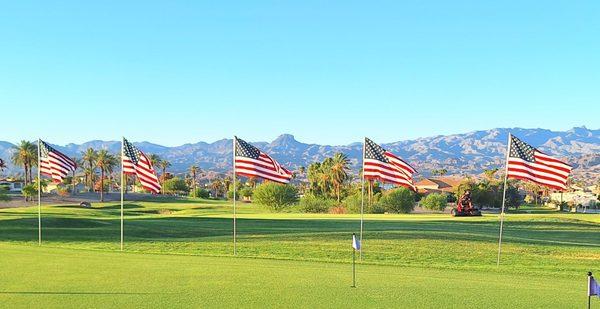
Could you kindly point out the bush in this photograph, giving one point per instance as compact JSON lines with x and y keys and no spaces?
{"x":353,"y":203}
{"x":435,"y":201}
{"x":29,"y":191}
{"x":376,"y":208}
{"x":399,"y":200}
{"x":199,"y":192}
{"x":274,"y":195}
{"x":315,"y":204}
{"x":3,"y":196}
{"x":246,"y":192}
{"x":175,"y":185}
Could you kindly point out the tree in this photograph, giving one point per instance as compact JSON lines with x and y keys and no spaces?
{"x":490,"y":174}
{"x":200,"y":192}
{"x":77,"y":165}
{"x":164,"y":164}
{"x":25,"y":154}
{"x":88,"y":157}
{"x":29,"y":191}
{"x":434,"y":201}
{"x":106,"y":163}
{"x":274,"y":195}
{"x":175,"y":185}
{"x":339,"y":172}
{"x":400,"y":200}
{"x":193,"y":172}
{"x":216,"y":186}
{"x":440,"y":172}
{"x":2,"y":165}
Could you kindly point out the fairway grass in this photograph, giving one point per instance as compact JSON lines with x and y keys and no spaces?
{"x":179,"y":254}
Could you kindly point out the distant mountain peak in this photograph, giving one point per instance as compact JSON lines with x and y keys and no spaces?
{"x":284,"y":140}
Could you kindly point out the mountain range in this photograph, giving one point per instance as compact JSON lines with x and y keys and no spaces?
{"x":467,"y":153}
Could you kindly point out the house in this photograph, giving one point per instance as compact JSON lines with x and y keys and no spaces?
{"x":438,"y":184}
{"x":12,"y":185}
{"x":580,"y":197}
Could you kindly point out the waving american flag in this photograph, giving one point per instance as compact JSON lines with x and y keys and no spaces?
{"x":251,"y":162}
{"x":137,"y":163}
{"x":527,"y":163}
{"x":55,"y":164}
{"x":385,"y":166}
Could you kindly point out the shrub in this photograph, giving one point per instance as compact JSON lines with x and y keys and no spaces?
{"x":246,"y":192}
{"x":175,"y":185}
{"x":274,"y":195}
{"x":3,"y":196}
{"x":353,"y":203}
{"x":200,"y":192}
{"x":315,"y":204}
{"x":435,"y":201}
{"x":376,"y":208}
{"x":399,"y":200}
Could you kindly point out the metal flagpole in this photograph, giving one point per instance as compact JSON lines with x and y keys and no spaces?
{"x":122,"y":184}
{"x":503,"y":201}
{"x":234,"y":197}
{"x":39,"y":178}
{"x":354,"y":263}
{"x":362,"y":197}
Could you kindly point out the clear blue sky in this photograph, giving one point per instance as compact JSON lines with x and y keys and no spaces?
{"x":172,"y":72}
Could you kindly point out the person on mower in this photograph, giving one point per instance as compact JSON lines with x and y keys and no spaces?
{"x":464,"y":202}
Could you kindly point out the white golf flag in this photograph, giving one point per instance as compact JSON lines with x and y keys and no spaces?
{"x":593,"y":287}
{"x":355,"y":243}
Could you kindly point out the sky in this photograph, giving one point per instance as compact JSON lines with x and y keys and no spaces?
{"x":329,"y":72}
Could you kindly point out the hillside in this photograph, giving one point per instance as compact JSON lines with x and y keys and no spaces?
{"x":458,"y":153}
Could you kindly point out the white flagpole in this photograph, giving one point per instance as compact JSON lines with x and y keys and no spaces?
{"x":503,"y":201}
{"x":122,"y":183}
{"x":234,"y":197}
{"x":39,"y":178}
{"x":362,"y":198}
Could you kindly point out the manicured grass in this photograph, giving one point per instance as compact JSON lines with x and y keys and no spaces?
{"x":291,"y":259}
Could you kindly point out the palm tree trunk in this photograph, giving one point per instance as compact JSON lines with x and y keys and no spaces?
{"x":101,"y":185}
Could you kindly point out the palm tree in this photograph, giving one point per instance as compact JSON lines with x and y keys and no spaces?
{"x":193,"y":172}
{"x":339,"y":172}
{"x":25,"y":154}
{"x":106,"y":163}
{"x":2,"y":165}
{"x":216,"y":186}
{"x":89,"y":157}
{"x":77,"y":165}
{"x":164,"y":164}
{"x":154,"y":159}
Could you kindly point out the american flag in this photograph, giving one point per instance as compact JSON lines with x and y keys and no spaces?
{"x":528,"y":163}
{"x":55,"y":164}
{"x":385,"y":166}
{"x":251,"y":162}
{"x":136,"y":163}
